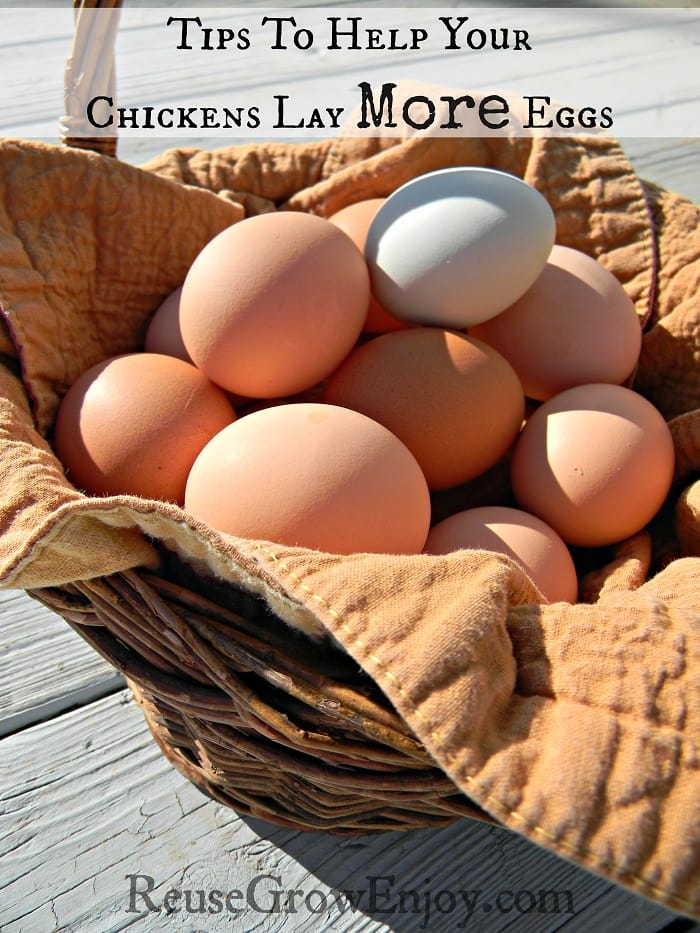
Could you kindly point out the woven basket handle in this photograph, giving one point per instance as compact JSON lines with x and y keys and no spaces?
{"x":90,"y":66}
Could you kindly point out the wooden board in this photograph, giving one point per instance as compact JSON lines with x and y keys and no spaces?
{"x":87,"y":801}
{"x":672,"y":163}
{"x":33,"y":104}
{"x":45,"y":667}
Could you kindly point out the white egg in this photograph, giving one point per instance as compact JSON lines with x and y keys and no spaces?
{"x":457,"y":246}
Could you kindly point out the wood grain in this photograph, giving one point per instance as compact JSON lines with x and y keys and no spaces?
{"x":45,"y":668}
{"x":87,"y":800}
{"x":31,"y":103}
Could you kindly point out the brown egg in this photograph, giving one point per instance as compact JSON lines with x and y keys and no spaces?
{"x":134,"y":424}
{"x":312,"y":475}
{"x":354,"y":220}
{"x":454,"y":401}
{"x":528,"y":540}
{"x":595,"y":462}
{"x":163,"y":334}
{"x":575,"y":325}
{"x":272,"y":304}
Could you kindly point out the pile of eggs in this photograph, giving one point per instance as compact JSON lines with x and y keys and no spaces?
{"x":316,"y":381}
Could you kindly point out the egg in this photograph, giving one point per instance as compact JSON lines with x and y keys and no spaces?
{"x":526,"y":539}
{"x":457,"y":246}
{"x":163,"y":334}
{"x":133,"y":424}
{"x":354,"y":220}
{"x":313,"y":475}
{"x":576,"y":324}
{"x":595,"y":462}
{"x":454,"y":401}
{"x":273,"y":303}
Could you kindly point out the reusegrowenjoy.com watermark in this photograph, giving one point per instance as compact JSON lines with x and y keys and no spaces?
{"x":379,"y":896}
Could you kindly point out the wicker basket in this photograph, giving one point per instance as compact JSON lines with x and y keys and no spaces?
{"x":259,"y":717}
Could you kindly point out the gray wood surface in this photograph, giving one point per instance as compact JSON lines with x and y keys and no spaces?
{"x":45,"y":668}
{"x":87,"y":800}
{"x":31,"y":104}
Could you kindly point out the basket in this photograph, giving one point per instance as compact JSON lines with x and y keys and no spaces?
{"x":310,"y":729}
{"x":268,"y":724}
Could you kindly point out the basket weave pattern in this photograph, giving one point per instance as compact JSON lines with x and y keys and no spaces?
{"x":273,"y":725}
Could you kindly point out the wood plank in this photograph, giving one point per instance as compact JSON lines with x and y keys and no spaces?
{"x":87,"y":800}
{"x":673,"y":164}
{"x":45,"y":667}
{"x":34,"y":107}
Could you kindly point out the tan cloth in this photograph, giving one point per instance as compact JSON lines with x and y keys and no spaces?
{"x":576,"y":726}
